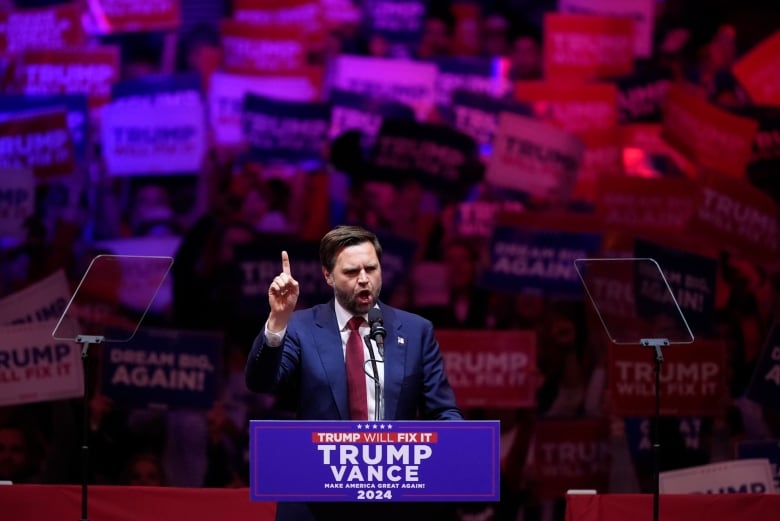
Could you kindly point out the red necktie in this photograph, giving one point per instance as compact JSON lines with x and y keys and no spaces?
{"x":356,"y":375}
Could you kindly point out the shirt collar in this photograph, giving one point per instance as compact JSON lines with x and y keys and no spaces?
{"x":343,"y":316}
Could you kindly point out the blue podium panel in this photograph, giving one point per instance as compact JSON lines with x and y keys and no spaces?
{"x":298,"y":460}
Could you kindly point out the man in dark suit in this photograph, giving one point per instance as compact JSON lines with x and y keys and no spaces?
{"x":305,"y":355}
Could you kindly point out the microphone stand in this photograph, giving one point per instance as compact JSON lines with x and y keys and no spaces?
{"x":656,"y":344}
{"x":375,"y":377}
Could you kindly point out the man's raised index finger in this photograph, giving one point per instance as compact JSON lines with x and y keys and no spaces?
{"x":285,"y":263}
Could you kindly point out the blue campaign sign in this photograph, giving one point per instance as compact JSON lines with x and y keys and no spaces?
{"x":524,"y":259}
{"x":362,"y":112}
{"x":285,"y":130}
{"x":298,"y":460}
{"x":168,"y":89}
{"x":487,"y":76}
{"x":397,"y":256}
{"x":764,"y":386}
{"x":163,"y":367}
{"x":75,"y":105}
{"x":692,"y":279}
{"x":397,"y":21}
{"x":769,"y":449}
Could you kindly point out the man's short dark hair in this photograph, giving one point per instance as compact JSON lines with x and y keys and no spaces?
{"x":342,"y":236}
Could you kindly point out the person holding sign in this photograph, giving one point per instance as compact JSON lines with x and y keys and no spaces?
{"x":307,"y":356}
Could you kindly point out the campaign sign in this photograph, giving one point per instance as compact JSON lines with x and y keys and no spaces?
{"x":160,"y":90}
{"x":747,"y":476}
{"x":639,"y":441}
{"x":36,"y":368}
{"x":75,"y":105}
{"x":397,"y":21}
{"x":274,"y":12}
{"x":642,"y":12}
{"x":476,"y":115}
{"x":436,"y":155}
{"x":534,"y":158}
{"x":692,"y":379}
{"x":249,"y":49}
{"x":17,"y":200}
{"x":758,"y":71}
{"x":285,"y":130}
{"x":640,"y":205}
{"x":478,"y":218}
{"x":540,"y":259}
{"x":764,"y":387}
{"x":119,"y":16}
{"x":765,"y":160}
{"x":713,"y":137}
{"x":574,"y":106}
{"x":491,"y":368}
{"x":769,"y":450}
{"x":78,"y":70}
{"x":39,"y":141}
{"x":163,"y":367}
{"x":259,"y":262}
{"x":641,"y":96}
{"x":363,"y":112}
{"x":227,"y":93}
{"x":570,"y":454}
{"x":386,"y":461}
{"x":587,"y":46}
{"x":486,"y":76}
{"x":49,"y":28}
{"x":407,"y":81}
{"x":153,"y":139}
{"x":737,"y":217}
{"x":43,"y":300}
{"x":397,"y":255}
{"x":692,"y":279}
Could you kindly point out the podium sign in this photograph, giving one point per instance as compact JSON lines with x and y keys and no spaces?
{"x":298,"y":460}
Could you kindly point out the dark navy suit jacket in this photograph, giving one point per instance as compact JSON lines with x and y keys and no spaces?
{"x":310,"y":365}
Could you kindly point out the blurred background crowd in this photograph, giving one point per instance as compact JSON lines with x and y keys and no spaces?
{"x":238,"y":203}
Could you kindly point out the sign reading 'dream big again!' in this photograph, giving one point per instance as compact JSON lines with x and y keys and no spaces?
{"x":374,"y":461}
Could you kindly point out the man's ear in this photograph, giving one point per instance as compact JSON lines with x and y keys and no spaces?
{"x":328,"y":276}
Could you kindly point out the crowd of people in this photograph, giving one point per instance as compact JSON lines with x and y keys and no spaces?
{"x":234,"y":202}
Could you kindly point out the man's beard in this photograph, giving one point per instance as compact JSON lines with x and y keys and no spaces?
{"x":349,"y":301}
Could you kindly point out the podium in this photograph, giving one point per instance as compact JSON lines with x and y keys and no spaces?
{"x":108,"y":305}
{"x":374,"y":461}
{"x":650,"y":317}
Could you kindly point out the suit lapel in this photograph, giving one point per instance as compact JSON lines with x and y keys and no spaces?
{"x":395,"y":361}
{"x":327,"y":338}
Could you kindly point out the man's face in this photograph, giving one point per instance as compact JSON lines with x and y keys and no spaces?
{"x":356,"y":278}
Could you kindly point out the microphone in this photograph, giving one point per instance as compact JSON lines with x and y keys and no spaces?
{"x":378,"y":331}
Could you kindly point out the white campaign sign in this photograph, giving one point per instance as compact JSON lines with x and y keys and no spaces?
{"x":153,"y":139}
{"x":747,"y":476}
{"x":410,"y":82}
{"x":42,"y":301}
{"x":35,"y":368}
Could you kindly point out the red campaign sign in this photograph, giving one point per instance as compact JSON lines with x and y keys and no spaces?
{"x":570,"y":454}
{"x":49,"y":28}
{"x":759,"y":71}
{"x":86,"y":70}
{"x":39,"y":141}
{"x":641,"y":206}
{"x":714,"y":138}
{"x":119,"y":16}
{"x":603,"y":158}
{"x":304,"y":13}
{"x":738,"y":218}
{"x":252,"y":49}
{"x":581,"y":46}
{"x":693,"y":379}
{"x":573,"y":106}
{"x":496,"y":368}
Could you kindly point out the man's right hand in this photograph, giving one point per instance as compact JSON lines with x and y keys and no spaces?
{"x":282,"y":297}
